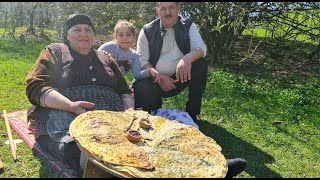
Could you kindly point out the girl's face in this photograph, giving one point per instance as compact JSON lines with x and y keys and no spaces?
{"x":125,"y":38}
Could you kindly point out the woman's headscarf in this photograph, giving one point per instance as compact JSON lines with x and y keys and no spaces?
{"x":73,"y":20}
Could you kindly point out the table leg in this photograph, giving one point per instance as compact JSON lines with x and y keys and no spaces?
{"x":92,"y":171}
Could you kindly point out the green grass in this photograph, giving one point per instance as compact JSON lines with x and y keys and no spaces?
{"x":270,"y":121}
{"x":15,"y":62}
{"x":281,"y":29}
{"x":262,"y":32}
{"x":272,"y":125}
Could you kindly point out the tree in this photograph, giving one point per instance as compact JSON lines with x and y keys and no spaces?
{"x":5,"y":16}
{"x":31,"y":9}
{"x":220,"y":23}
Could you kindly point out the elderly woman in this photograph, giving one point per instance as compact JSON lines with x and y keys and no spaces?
{"x":68,"y":79}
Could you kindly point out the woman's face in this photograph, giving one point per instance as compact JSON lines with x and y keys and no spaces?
{"x":125,"y":38}
{"x":81,"y":38}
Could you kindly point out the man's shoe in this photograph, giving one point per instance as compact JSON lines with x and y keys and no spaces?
{"x":194,"y":118}
{"x":235,"y":166}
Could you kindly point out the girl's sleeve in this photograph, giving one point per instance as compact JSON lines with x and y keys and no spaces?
{"x":135,"y":68}
{"x":104,"y":47}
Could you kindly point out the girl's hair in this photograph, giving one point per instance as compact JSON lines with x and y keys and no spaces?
{"x":121,"y":23}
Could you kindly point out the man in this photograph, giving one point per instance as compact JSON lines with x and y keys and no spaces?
{"x":173,"y":46}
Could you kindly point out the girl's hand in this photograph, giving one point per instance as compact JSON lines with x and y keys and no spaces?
{"x":155,"y":75}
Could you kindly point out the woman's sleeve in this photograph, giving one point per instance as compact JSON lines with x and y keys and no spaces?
{"x":42,"y":76}
{"x":122,"y":85}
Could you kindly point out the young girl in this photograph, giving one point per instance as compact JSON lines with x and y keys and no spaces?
{"x":127,"y":58}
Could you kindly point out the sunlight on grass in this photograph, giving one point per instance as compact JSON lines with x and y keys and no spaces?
{"x":280,"y":29}
{"x":279,"y":119}
{"x":261,"y":32}
{"x":15,"y":63}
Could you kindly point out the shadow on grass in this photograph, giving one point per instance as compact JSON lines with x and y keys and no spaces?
{"x":277,"y":58}
{"x":46,"y":172}
{"x":233,"y":147}
{"x":51,"y":167}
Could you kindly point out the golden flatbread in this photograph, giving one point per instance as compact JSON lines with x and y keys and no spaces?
{"x":103,"y":135}
{"x":189,"y":140}
{"x":167,"y":149}
{"x":173,"y":164}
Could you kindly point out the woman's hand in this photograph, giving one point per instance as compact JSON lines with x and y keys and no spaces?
{"x":79,"y":107}
{"x":127,"y":101}
{"x":54,"y":99}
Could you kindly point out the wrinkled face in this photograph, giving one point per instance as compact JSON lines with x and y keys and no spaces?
{"x":168,"y":13}
{"x":81,"y":38}
{"x":125,"y":37}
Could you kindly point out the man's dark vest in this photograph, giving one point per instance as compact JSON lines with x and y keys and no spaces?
{"x":154,"y":32}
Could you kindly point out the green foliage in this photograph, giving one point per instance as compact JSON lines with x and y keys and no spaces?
{"x":106,"y":14}
{"x":220,"y":23}
{"x":291,"y":26}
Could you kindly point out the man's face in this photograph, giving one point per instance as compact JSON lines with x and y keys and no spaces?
{"x":168,"y":13}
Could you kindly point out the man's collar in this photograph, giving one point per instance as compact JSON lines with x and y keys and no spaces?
{"x":163,"y":29}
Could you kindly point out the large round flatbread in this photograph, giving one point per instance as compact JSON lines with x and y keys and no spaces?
{"x":168,"y":150}
{"x":103,"y":135}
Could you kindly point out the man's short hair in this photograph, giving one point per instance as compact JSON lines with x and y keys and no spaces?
{"x":158,"y":3}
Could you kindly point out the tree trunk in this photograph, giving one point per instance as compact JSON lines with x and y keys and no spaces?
{"x":31,"y":20}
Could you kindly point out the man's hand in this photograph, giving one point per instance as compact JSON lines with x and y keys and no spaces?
{"x":166,"y":83}
{"x":183,"y":71}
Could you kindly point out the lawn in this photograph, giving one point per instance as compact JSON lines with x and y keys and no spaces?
{"x":264,"y":109}
{"x":302,"y":20}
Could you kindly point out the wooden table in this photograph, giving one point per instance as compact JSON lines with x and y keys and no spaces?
{"x":96,"y":169}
